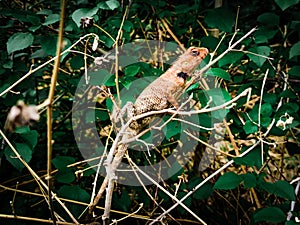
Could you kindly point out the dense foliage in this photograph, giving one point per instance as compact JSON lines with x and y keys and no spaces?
{"x":255,"y":188}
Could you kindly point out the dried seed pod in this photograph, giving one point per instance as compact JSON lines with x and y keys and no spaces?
{"x":21,"y":115}
{"x":86,"y":22}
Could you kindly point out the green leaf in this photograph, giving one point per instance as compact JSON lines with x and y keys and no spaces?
{"x":77,"y":62}
{"x":266,"y":110}
{"x":295,"y":71}
{"x":83,"y":12}
{"x":253,"y":158}
{"x":217,"y":72}
{"x":271,"y":214}
{"x":19,"y":41}
{"x":284,"y":4}
{"x":204,"y":191}
{"x":127,"y":26}
{"x":173,"y":128}
{"x":35,"y":20}
{"x":270,"y":98}
{"x":61,"y":162}
{"x":53,"y":18}
{"x":290,"y":108}
{"x":24,"y":150}
{"x":264,"y":33}
{"x":291,"y":222}
{"x":187,"y":202}
{"x":121,"y":201}
{"x":288,"y":94}
{"x":230,"y":58}
{"x":31,"y":138}
{"x":219,"y":97}
{"x":22,"y":129}
{"x":295,"y":50}
{"x":250,"y":127}
{"x":229,"y":180}
{"x":49,"y":42}
{"x":65,"y":176}
{"x":268,"y":19}
{"x":44,"y":12}
{"x":99,"y":77}
{"x":249,"y":180}
{"x":74,"y":193}
{"x":109,"y":5}
{"x":260,"y":50}
{"x":267,"y":186}
{"x":220,"y":18}
{"x":284,"y":190}
{"x":132,"y":70}
{"x":101,"y":115}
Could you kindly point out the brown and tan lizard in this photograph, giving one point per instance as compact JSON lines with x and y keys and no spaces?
{"x":163,"y":91}
{"x":158,"y":95}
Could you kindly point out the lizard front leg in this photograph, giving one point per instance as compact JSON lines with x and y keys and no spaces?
{"x":121,"y":116}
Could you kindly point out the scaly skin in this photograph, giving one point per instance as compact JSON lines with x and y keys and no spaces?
{"x":161,"y":93}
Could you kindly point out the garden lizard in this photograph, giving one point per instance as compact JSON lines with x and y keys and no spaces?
{"x":158,"y":95}
{"x":162,"y":92}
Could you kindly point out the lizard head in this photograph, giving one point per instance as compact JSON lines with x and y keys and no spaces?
{"x":185,"y":65}
{"x":191,"y":59}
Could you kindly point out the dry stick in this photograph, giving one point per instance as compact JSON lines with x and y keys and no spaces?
{"x":95,"y":198}
{"x":49,"y":109}
{"x":117,"y":56}
{"x":36,"y":177}
{"x":207,"y":145}
{"x":129,"y":215}
{"x":109,"y":170}
{"x":99,"y":166}
{"x":172,"y":34}
{"x":259,"y":111}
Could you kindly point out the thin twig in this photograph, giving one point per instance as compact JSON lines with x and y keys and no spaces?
{"x":116,"y":44}
{"x":259,"y":114}
{"x":129,"y":215}
{"x":207,"y":145}
{"x":172,"y":34}
{"x":50,"y":105}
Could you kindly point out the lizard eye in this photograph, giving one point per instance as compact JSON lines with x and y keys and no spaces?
{"x":195,"y":53}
